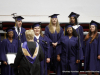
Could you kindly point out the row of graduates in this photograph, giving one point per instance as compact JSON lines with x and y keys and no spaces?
{"x":61,"y":52}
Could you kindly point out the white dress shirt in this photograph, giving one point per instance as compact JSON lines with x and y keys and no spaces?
{"x":17,"y":30}
{"x":37,"y":37}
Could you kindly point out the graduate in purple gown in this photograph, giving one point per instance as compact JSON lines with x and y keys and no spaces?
{"x":79,"y":29}
{"x":92,"y":49}
{"x":54,"y":32}
{"x":45,"y":45}
{"x":8,"y":45}
{"x":70,"y":55}
{"x":19,"y":30}
{"x":0,"y":38}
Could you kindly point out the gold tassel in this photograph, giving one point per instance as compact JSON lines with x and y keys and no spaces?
{"x":31,"y":27}
{"x":15,"y":24}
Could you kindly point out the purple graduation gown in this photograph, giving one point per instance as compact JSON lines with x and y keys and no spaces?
{"x":70,"y":53}
{"x":81,"y":34}
{"x":91,"y":52}
{"x":81,"y":37}
{"x":0,"y":38}
{"x":55,"y":37}
{"x":7,"y":47}
{"x":22,"y":36}
{"x":46,"y":50}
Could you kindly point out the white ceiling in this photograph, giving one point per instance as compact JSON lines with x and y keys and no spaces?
{"x":39,"y":10}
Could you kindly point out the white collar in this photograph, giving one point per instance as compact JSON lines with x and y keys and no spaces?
{"x":75,"y":26}
{"x":37,"y":37}
{"x":17,"y":30}
{"x":16,"y":27}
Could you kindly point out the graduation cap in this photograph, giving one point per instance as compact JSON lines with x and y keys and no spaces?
{"x":18,"y":18}
{"x":54,"y":16}
{"x":68,"y":25}
{"x":94,"y":23}
{"x":36,"y":24}
{"x":10,"y":29}
{"x":72,"y":14}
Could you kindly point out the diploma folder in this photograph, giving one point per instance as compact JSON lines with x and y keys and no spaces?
{"x":10,"y":58}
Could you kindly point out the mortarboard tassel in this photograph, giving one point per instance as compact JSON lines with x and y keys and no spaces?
{"x":31,"y":27}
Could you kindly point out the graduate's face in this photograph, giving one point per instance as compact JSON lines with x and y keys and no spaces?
{"x":92,"y":28}
{"x":69,"y":30}
{"x":10,"y":34}
{"x":19,"y":23}
{"x":36,"y":30}
{"x":54,"y":20}
{"x":72,"y":20}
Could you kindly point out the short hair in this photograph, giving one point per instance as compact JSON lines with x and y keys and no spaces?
{"x":29,"y":34}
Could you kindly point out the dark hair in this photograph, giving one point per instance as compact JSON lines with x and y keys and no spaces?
{"x":90,"y":33}
{"x":74,"y":33}
{"x":96,"y":30}
{"x":8,"y":33}
{"x":76,"y":22}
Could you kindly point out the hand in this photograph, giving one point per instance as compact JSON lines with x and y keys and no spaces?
{"x":99,"y":57}
{"x":48,"y":60}
{"x":58,"y":58}
{"x":5,"y":62}
{"x":55,"y":44}
{"x":77,"y":61}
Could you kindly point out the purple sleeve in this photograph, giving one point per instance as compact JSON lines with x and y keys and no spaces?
{"x":79,"y":52}
{"x":60,"y":36}
{"x":3,"y":51}
{"x":98,"y":45}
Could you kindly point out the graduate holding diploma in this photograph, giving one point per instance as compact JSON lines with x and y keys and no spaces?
{"x":8,"y":45}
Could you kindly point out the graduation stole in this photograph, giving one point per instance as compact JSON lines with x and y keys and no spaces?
{"x":76,"y":26}
{"x":31,"y":58}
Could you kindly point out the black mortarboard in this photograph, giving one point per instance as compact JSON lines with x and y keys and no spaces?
{"x":68,"y":25}
{"x":72,"y":14}
{"x":94,"y":23}
{"x":18,"y":18}
{"x":36,"y":24}
{"x":54,"y":16}
{"x":10,"y":29}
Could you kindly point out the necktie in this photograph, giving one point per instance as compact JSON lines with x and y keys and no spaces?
{"x":18,"y":30}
